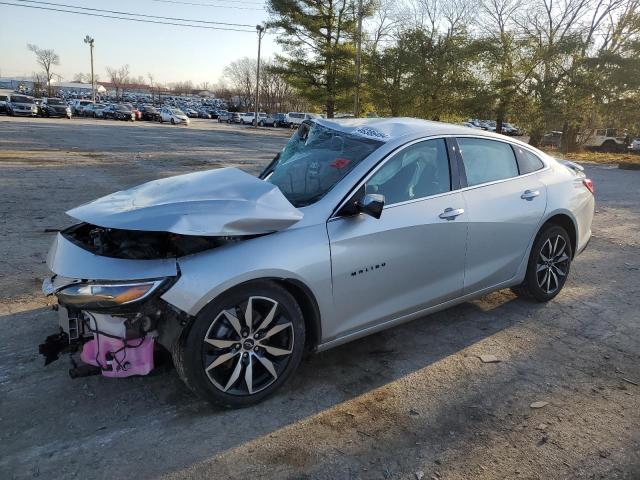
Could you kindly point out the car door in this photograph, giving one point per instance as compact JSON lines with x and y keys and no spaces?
{"x":410,"y":258}
{"x":504,"y":208}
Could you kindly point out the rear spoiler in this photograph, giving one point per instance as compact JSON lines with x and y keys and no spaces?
{"x":573,"y":166}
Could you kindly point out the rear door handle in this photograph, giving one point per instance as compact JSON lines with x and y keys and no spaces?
{"x":451,"y":213}
{"x":530,"y":194}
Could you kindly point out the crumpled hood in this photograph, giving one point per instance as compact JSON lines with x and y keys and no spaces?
{"x":221,"y":202}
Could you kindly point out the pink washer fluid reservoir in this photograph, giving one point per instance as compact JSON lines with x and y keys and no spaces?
{"x":136,"y":358}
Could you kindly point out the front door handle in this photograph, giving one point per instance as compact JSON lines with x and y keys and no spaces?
{"x":451,"y":213}
{"x":530,"y":194}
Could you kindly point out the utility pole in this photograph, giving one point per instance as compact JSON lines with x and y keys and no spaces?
{"x":356,"y":102}
{"x":89,"y":40}
{"x":260,"y":30}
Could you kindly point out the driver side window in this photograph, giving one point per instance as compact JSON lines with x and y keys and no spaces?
{"x":418,"y":171}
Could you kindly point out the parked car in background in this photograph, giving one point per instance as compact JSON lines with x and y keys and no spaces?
{"x":274,"y":120}
{"x":470,"y":125}
{"x":136,"y":112}
{"x":510,"y":129}
{"x":635,"y":145}
{"x":235,"y":117}
{"x":118,"y":112}
{"x":202,"y":113}
{"x":224,"y":116}
{"x":94,"y":110}
{"x":21,"y":105}
{"x":3,"y":103}
{"x":54,"y":107}
{"x":371,"y":224}
{"x":173,"y":116}
{"x":603,"y":140}
{"x":294,"y":119}
{"x":149,"y":113}
{"x":249,"y":118}
{"x":551,"y":139}
{"x":78,"y":105}
{"x":191,"y":112}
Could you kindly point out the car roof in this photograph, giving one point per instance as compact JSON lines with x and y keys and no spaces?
{"x":386,"y":129}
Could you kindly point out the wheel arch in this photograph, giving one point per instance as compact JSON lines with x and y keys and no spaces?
{"x":301,"y":293}
{"x":566,"y":221}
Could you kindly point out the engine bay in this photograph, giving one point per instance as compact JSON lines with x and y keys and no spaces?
{"x":141,"y":245}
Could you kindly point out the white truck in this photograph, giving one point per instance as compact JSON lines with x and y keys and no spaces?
{"x":603,"y":140}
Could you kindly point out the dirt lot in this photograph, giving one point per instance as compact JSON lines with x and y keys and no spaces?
{"x":411,"y":402}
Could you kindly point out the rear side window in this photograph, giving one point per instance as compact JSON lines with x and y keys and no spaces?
{"x":487,"y":160}
{"x":528,"y":162}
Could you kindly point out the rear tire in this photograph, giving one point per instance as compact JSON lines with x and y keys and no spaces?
{"x":549,"y":265}
{"x":238,"y":371}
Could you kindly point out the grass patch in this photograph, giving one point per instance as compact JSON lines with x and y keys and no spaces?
{"x":596,"y":157}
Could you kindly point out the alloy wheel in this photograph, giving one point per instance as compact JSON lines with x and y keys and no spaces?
{"x":553,"y":264}
{"x":248,"y":346}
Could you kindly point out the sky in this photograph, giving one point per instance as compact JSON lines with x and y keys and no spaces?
{"x":170,"y":53}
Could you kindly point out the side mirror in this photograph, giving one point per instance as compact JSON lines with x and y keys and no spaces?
{"x":371,"y":204}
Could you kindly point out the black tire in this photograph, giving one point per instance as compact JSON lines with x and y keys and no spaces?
{"x":173,"y":122}
{"x":191,"y":353}
{"x":609,"y":146}
{"x":531,"y":287}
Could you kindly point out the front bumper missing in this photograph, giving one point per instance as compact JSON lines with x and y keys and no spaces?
{"x":103,"y":344}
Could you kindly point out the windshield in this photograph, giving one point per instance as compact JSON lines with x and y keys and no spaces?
{"x":21,"y":99}
{"x":314,"y":160}
{"x":175,"y":111}
{"x":85,"y":102}
{"x":55,"y":101}
{"x":122,"y":108}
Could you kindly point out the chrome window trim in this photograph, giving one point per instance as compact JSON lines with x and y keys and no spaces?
{"x":392,"y":154}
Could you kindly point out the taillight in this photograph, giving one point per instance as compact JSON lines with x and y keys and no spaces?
{"x":587,"y":182}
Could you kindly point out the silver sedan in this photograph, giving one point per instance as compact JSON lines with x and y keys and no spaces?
{"x":355,"y":226}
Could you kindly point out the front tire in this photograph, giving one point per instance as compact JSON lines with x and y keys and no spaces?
{"x":549,"y":265}
{"x":242,"y":346}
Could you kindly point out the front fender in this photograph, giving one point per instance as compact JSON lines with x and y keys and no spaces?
{"x":300,"y":254}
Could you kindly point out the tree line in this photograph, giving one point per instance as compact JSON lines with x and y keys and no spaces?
{"x":568,"y":65}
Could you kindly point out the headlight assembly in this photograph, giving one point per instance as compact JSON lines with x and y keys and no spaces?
{"x":103,"y":295}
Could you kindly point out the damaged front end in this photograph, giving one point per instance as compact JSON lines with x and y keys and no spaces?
{"x":111,"y":270}
{"x":114,"y":319}
{"x":115,"y":326}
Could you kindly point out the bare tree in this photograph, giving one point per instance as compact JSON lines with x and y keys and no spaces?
{"x":204,"y":86}
{"x":119,"y":77}
{"x":151,"y":85}
{"x":47,"y":58}
{"x":80,"y":77}
{"x":242,"y":78}
{"x":39,"y":81}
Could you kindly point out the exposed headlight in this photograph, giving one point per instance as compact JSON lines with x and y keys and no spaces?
{"x":103,"y":295}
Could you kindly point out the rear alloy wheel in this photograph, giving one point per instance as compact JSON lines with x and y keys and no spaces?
{"x":243,"y":346}
{"x":548,"y":266}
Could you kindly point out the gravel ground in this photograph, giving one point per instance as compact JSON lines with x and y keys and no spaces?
{"x":412,"y":402}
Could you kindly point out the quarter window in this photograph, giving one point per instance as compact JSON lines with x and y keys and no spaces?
{"x":487,"y":160}
{"x":528,"y":162}
{"x":417,"y":171}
